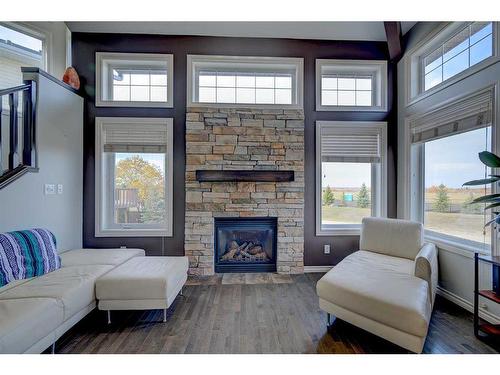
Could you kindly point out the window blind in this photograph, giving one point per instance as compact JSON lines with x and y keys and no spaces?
{"x":337,"y":145}
{"x":471,"y":113}
{"x":135,"y":138}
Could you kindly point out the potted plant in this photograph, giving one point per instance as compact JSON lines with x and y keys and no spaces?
{"x":493,"y":202}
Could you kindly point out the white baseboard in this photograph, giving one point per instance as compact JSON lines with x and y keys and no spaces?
{"x":462,"y":302}
{"x":312,"y":269}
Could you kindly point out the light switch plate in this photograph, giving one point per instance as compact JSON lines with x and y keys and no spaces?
{"x":49,"y":189}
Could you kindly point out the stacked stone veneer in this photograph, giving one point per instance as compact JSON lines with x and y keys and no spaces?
{"x":245,"y":139}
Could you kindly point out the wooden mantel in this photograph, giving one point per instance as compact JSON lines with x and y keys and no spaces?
{"x":244,"y":176}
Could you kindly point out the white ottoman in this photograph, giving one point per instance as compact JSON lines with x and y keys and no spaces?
{"x":142,"y":283}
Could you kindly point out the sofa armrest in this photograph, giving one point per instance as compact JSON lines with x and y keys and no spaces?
{"x":426,"y":268}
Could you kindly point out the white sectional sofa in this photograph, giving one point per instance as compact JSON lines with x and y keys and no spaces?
{"x":388,"y":286}
{"x":35,"y":312}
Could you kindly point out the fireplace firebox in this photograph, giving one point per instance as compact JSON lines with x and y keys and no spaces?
{"x":245,"y":244}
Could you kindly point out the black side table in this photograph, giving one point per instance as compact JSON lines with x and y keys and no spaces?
{"x":480,"y":326}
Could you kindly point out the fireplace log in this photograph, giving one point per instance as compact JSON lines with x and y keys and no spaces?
{"x":234,"y":250}
{"x":261,"y":256}
{"x":245,"y":254}
{"x":255,"y":250}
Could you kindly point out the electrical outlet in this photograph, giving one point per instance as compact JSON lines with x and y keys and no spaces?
{"x":49,"y":189}
{"x":326,"y":249}
{"x":59,"y":188}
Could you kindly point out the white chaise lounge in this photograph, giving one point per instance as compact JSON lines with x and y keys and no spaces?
{"x":35,"y":312}
{"x":388,"y":286}
{"x":142,"y":283}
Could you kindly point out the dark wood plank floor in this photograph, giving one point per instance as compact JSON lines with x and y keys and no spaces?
{"x":258,"y":318}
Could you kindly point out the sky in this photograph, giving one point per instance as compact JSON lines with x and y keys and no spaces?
{"x":460,"y":57}
{"x":450,"y":161}
{"x":346,"y":175}
{"x":454,"y":160}
{"x":20,"y":39}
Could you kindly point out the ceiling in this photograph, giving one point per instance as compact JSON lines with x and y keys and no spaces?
{"x":296,"y":30}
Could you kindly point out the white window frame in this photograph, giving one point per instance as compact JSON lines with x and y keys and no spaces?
{"x":103,"y":205}
{"x":414,"y":77}
{"x":103,"y":82}
{"x":376,"y":69}
{"x":378,"y":174}
{"x":195,"y":62}
{"x":413,"y":184}
{"x":44,"y":36}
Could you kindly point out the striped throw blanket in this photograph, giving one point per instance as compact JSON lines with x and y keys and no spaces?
{"x":27,"y":253}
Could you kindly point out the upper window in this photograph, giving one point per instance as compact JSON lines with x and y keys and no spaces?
{"x":467,"y":47}
{"x":134,"y":80}
{"x":453,"y":52}
{"x":350,"y":175}
{"x":445,"y":148}
{"x":351,"y":85}
{"x":133,"y":177}
{"x":249,"y":81}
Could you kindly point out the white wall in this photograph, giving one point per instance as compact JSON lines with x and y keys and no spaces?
{"x":456,"y":265}
{"x":23,"y":203}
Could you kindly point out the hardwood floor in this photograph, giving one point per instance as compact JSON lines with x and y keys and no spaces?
{"x":214,"y":317}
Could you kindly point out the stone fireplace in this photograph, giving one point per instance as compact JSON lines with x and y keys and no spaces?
{"x":246,"y":141}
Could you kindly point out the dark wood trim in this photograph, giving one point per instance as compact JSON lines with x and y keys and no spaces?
{"x":244,"y":176}
{"x":29,"y":125}
{"x":11,"y":90}
{"x":14,"y":160}
{"x":12,"y":175}
{"x":394,"y":40}
{"x":51,"y":77}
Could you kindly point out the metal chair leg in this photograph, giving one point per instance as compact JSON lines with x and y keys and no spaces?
{"x":109,"y":316}
{"x":164,"y":315}
{"x":53,"y":350}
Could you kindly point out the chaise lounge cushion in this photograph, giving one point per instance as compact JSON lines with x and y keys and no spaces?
{"x":399,"y":238}
{"x":112,"y":257}
{"x":381,"y":288}
{"x":143,"y":278}
{"x":73,"y":287}
{"x":25,"y":321}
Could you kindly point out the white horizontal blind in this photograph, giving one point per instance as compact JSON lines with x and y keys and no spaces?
{"x":471,"y":113}
{"x":338,"y":145}
{"x":135,"y":138}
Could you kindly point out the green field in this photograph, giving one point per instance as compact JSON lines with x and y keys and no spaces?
{"x":455,"y":224}
{"x":462,"y":221}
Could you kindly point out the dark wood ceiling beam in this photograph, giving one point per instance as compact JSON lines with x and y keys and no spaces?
{"x":394,"y":40}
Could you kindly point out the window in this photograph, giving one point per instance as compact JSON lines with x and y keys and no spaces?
{"x":133,"y":177}
{"x":351,"y":85}
{"x":251,"y":81}
{"x":350,"y":175}
{"x":18,"y":47}
{"x":449,"y":162}
{"x":134,"y":80}
{"x":446,"y":144}
{"x":453,"y":52}
{"x":469,"y":46}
